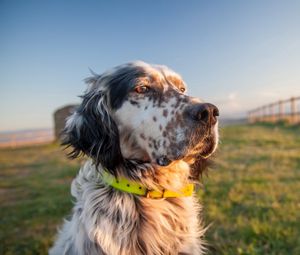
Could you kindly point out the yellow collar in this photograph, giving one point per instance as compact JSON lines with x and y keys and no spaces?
{"x":123,"y":184}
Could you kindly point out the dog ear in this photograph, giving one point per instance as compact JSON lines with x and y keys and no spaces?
{"x":92,"y":131}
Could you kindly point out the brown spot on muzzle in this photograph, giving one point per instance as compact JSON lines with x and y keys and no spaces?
{"x":165,"y":113}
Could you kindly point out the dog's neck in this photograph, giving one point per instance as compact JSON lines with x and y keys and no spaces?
{"x":138,"y":225}
{"x":172,"y":177}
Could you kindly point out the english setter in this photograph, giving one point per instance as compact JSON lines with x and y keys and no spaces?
{"x":137,"y":125}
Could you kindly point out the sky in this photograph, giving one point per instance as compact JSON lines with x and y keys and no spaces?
{"x":236,"y":54}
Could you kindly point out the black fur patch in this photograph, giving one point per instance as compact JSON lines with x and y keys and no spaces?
{"x":95,"y":134}
{"x":121,"y":83}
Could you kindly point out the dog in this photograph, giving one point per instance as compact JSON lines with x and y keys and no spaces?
{"x":147,"y":143}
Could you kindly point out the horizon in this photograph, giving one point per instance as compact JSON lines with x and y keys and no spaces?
{"x":238,"y":55}
{"x":51,"y":128}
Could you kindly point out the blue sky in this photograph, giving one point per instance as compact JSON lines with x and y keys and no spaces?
{"x":236,"y":54}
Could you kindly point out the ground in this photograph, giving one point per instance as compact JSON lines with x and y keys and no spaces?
{"x":251,"y":195}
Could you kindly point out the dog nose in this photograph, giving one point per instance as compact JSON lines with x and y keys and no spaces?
{"x":204,"y":112}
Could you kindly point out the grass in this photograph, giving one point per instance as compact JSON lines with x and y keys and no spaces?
{"x":34,"y":187}
{"x":251,"y":196}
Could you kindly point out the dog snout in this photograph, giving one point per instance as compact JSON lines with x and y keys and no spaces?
{"x":204,"y":112}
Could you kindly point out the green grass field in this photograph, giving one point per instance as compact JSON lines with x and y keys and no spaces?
{"x":251,"y":197}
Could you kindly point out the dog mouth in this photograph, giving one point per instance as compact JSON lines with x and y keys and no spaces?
{"x":208,"y":148}
{"x":205,"y":148}
{"x":164,"y":161}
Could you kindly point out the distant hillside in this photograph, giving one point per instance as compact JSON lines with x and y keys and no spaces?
{"x":25,"y":137}
{"x":226,"y":122}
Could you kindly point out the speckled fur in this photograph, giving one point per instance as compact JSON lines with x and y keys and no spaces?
{"x":128,"y":135}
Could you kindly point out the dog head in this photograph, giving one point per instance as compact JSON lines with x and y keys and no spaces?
{"x":141,"y":112}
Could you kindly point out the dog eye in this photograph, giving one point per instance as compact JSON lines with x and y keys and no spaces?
{"x":182,"y":90}
{"x":142,"y":89}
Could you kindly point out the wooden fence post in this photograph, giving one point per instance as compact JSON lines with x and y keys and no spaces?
{"x":271,"y":111}
{"x":262,"y":114}
{"x":265,"y":113}
{"x":293,"y":110}
{"x":280,"y":110}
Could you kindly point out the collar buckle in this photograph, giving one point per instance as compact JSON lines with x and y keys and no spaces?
{"x":155,"y":194}
{"x":148,"y":194}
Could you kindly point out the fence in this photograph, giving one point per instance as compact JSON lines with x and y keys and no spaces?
{"x":284,"y":110}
